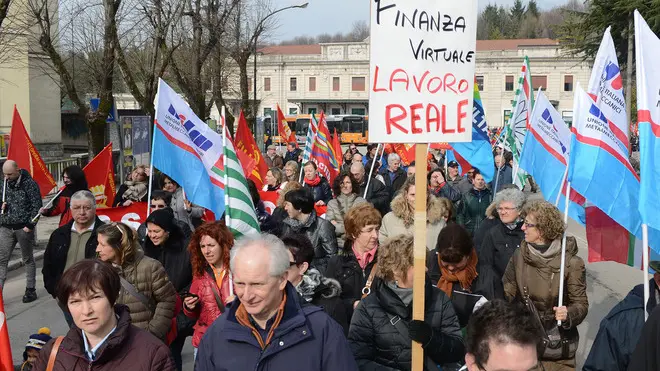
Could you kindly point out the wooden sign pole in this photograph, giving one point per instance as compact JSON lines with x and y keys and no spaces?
{"x":420,"y":249}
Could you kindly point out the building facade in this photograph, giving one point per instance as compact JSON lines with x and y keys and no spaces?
{"x":334,"y":77}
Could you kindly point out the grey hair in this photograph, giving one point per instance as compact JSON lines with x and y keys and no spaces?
{"x":84,"y":195}
{"x":393,"y":157}
{"x":279,"y":254}
{"x":292,"y":164}
{"x":513,"y":195}
{"x":357,"y":166}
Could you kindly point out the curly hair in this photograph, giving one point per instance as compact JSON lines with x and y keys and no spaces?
{"x":336,"y":185}
{"x":217,"y":231}
{"x":395,"y":256}
{"x":448,"y":208}
{"x":548,"y":219}
{"x":121,"y":238}
{"x":291,"y":185}
{"x":360,"y":216}
{"x":513,"y":195}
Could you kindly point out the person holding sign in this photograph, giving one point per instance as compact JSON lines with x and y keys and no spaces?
{"x":382,"y":327}
{"x":533,"y":276}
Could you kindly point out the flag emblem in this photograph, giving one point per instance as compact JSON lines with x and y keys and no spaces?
{"x":613,"y":76}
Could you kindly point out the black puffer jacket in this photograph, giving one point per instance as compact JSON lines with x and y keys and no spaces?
{"x":377,"y":344}
{"x":320,"y":232}
{"x":321,"y":191}
{"x":174,"y":257}
{"x":377,"y":194}
{"x":346,"y":270}
{"x":497,"y":249}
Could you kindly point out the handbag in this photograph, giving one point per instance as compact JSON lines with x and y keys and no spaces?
{"x":558,"y":342}
{"x":366,"y":290}
{"x":53,"y":353}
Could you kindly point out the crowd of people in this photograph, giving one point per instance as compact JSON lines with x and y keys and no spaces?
{"x":311,"y":292}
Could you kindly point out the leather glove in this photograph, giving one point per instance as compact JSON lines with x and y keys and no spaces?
{"x":420,"y":332}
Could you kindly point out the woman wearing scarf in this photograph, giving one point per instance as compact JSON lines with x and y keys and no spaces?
{"x":74,"y":181}
{"x":133,"y":190}
{"x":453,"y":268}
{"x":318,"y":184}
{"x":274,"y":180}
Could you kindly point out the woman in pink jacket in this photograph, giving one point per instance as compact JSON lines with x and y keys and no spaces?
{"x":211,"y":286}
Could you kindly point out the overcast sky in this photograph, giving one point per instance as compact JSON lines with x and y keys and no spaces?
{"x":332,"y":16}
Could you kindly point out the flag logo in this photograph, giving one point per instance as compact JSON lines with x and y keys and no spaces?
{"x":613,"y":76}
{"x":199,"y":140}
{"x":547,"y":117}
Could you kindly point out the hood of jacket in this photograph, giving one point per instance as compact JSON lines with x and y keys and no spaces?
{"x":491,"y":211}
{"x":555,"y":262}
{"x":314,"y":285}
{"x":22,"y":179}
{"x":403,"y":211}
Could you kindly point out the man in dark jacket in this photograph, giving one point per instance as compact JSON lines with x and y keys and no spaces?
{"x":292,"y":153}
{"x":268,"y":326}
{"x":646,"y":356}
{"x":71,"y":243}
{"x":503,"y":175}
{"x":473,"y":205}
{"x":619,"y":331}
{"x":459,"y":183}
{"x":377,"y":193}
{"x":440,"y":188}
{"x":22,"y":201}
{"x":394,"y":176}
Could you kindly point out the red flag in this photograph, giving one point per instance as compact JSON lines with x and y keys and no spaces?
{"x":6,"y":363}
{"x":607,"y":240}
{"x":132,"y":215}
{"x":337,"y":147}
{"x":244,"y":141}
{"x":100,"y":174}
{"x":405,"y":151}
{"x":442,"y":145}
{"x":283,"y":127}
{"x":323,"y":154}
{"x":26,"y":156}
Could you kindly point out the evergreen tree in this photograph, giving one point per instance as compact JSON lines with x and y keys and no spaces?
{"x":532,"y":9}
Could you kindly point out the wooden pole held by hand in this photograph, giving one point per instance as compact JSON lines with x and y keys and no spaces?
{"x":419,"y":249}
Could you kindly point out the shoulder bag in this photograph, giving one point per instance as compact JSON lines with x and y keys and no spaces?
{"x":366,"y":290}
{"x":53,"y":353}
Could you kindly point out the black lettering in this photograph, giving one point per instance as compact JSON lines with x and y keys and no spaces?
{"x":435,"y":23}
{"x":410,"y":21}
{"x":447,"y":25}
{"x":416,"y":51}
{"x":380,"y":9}
{"x":424,"y":21}
{"x":468,"y":57}
{"x":460,"y":23}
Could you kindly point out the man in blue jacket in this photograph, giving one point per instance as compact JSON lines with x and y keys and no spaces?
{"x":268,"y":326}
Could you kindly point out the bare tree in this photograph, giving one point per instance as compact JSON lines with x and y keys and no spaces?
{"x":4,"y":9}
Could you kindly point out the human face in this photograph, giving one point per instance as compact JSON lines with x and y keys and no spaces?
{"x":211,"y":251}
{"x":296,"y":272}
{"x":410,"y":195}
{"x":499,"y":161}
{"x":169,"y":186}
{"x":83,"y":212}
{"x":92,"y":312}
{"x":156,"y":234}
{"x":290,"y":210}
{"x":373,"y":152}
{"x":470,"y":174}
{"x":157,"y":204}
{"x":357,"y":158}
{"x":104,"y":250}
{"x":270,"y":179}
{"x":394,"y":165}
{"x":358,"y":175}
{"x":368,"y":238}
{"x":138,"y":175}
{"x":288,"y":171}
{"x":348,"y":156}
{"x":455,"y":267}
{"x":32,"y":355}
{"x":508,"y":212}
{"x":270,"y":152}
{"x":436,"y":179}
{"x":411,"y":171}
{"x":290,"y":148}
{"x":453,"y":172}
{"x":66,"y":179}
{"x":479,"y":182}
{"x":10,"y":172}
{"x":259,"y":293}
{"x":506,"y":357}
{"x":346,"y":186}
{"x":310,"y":172}
{"x":532,"y":233}
{"x":353,"y":148}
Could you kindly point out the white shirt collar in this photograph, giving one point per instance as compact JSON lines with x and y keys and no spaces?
{"x":91,"y":227}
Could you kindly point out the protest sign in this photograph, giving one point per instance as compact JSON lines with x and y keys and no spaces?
{"x":422,"y":71}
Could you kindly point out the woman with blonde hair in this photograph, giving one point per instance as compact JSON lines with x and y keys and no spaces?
{"x":274,"y":180}
{"x":291,"y":171}
{"x":279,"y":214}
{"x":146,"y":290}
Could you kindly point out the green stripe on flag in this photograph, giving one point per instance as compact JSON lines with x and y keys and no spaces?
{"x":631,"y":249}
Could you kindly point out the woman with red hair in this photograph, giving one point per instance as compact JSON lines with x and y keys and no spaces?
{"x":211,"y":286}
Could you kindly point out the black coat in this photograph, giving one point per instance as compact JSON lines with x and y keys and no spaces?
{"x":322,"y":191}
{"x":57,"y":250}
{"x":497,"y":249}
{"x":142,"y":231}
{"x":448,"y":192}
{"x":320,"y":232}
{"x":346,"y":269}
{"x":377,"y":344}
{"x":646,"y":356}
{"x":377,"y":194}
{"x":292,"y":156}
{"x":325,"y":295}
{"x":393,"y":185}
{"x":174,"y":257}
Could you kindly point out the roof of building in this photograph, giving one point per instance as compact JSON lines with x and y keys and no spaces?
{"x":482,"y":45}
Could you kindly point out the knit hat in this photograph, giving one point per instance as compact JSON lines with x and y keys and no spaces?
{"x":163,"y":218}
{"x":37,"y":341}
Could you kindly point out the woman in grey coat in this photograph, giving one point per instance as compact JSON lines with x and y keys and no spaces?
{"x":345,"y":188}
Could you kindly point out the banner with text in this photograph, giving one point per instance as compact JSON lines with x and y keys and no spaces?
{"x":132,"y":215}
{"x":422,"y":71}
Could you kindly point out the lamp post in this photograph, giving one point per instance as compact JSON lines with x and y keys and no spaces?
{"x":257,"y":31}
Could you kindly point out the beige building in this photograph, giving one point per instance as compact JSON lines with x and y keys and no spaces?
{"x":334,"y":77}
{"x":27,"y":82}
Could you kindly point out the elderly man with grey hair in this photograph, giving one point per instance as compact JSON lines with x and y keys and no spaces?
{"x":71,"y":243}
{"x":377,"y":193}
{"x":268,"y":326}
{"x":502,"y":240}
{"x":394,"y":176}
{"x":21,"y":201}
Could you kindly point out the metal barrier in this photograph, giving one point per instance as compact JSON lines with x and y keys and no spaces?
{"x":56,"y":167}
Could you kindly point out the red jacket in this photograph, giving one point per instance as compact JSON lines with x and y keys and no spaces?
{"x":61,"y":206}
{"x":207,"y":308}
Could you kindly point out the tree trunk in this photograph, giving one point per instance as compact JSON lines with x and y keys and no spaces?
{"x":243,"y":77}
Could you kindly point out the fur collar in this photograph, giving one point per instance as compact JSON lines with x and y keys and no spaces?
{"x":402,"y":210}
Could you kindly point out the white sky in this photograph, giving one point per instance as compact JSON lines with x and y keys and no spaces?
{"x":332,"y":16}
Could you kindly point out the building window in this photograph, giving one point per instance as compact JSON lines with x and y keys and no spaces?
{"x":312,"y":84}
{"x":480,"y":83}
{"x":293,"y":84}
{"x":567,"y":116}
{"x":539,"y":82}
{"x":249,"y":84}
{"x":508,"y":83}
{"x":507,"y":116}
{"x":335,"y":84}
{"x":358,"y":111}
{"x":266,"y":83}
{"x":293,"y":111}
{"x":357,"y":83}
{"x":335,"y":111}
{"x":311,"y":111}
{"x":568,"y":82}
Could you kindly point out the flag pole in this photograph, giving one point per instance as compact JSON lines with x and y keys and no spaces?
{"x":645,"y":265}
{"x":419,"y":250}
{"x":48,"y":205}
{"x":371,"y":171}
{"x":561,"y":186}
{"x":4,"y":190}
{"x":151,"y":163}
{"x":562,"y":267}
{"x":224,"y":164}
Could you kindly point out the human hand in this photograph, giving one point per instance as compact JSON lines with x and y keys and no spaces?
{"x":27,"y":230}
{"x":191,"y":302}
{"x":320,"y":203}
{"x":42,"y":211}
{"x":561,"y":313}
{"x":187,"y":204}
{"x":420,"y":332}
{"x":127,"y":203}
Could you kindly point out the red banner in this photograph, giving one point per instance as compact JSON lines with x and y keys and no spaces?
{"x":21,"y":150}
{"x":283,"y":127}
{"x":269,"y":199}
{"x":336,"y":145}
{"x":100,"y":176}
{"x":132,"y":215}
{"x":244,"y":141}
{"x":5,"y":346}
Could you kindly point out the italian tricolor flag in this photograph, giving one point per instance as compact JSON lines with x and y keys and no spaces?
{"x":608,"y":241}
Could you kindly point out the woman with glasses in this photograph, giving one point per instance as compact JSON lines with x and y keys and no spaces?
{"x":505,"y":237}
{"x":133,"y":190}
{"x":533,"y":276}
{"x":345,"y":189}
{"x":74,"y":181}
{"x":146,"y":290}
{"x":291,"y":171}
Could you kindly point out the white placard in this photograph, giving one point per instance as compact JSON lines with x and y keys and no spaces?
{"x":422,"y":70}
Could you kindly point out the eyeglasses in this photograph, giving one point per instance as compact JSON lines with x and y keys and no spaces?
{"x":507,"y":209}
{"x":539,"y":367}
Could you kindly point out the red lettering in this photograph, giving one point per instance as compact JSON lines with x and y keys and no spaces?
{"x":376,"y":89}
{"x":421,"y":81}
{"x":463,"y":86}
{"x":449,"y":85}
{"x":461,"y":115}
{"x":414,"y":117}
{"x":394,"y":121}
{"x":445,"y":129}
{"x":432,"y":115}
{"x":437,"y":89}
{"x":404,"y":78}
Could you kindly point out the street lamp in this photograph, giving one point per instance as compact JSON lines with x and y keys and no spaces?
{"x":257,"y":31}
